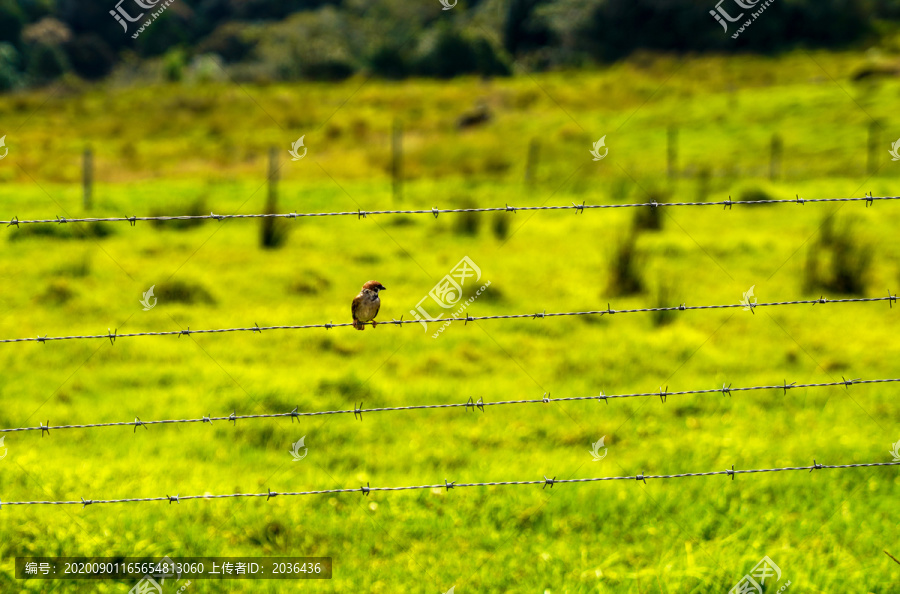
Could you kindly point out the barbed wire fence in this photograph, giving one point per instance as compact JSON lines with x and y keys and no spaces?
{"x":480,"y":404}
{"x":448,"y":485}
{"x":112,"y":335}
{"x":663,"y":393}
{"x":361,"y":214}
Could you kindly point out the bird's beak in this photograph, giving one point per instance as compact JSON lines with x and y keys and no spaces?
{"x":383,"y":288}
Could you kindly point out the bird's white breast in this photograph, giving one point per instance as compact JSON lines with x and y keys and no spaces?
{"x":368,"y":307}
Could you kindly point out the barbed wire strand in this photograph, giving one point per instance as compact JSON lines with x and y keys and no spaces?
{"x":113,"y":335}
{"x":454,"y":485}
{"x":579,"y":208}
{"x":480,"y":404}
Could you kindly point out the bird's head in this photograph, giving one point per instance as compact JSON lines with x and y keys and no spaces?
{"x":374,"y":286}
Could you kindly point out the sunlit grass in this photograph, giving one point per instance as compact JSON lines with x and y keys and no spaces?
{"x":685,"y":535}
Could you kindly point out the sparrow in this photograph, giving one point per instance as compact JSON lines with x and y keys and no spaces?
{"x":366,"y":304}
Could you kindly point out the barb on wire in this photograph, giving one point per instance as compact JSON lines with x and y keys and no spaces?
{"x":257,"y":328}
{"x":361,"y":214}
{"x":455,"y":485}
{"x":358,"y":410}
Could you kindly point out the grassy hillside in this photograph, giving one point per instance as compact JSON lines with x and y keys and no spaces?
{"x":166,"y":148}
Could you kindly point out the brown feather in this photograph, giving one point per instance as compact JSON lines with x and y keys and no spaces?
{"x":364,"y":308}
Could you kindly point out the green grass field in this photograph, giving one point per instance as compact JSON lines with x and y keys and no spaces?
{"x":162,"y":149}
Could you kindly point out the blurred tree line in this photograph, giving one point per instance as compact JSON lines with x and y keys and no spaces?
{"x":41,"y":40}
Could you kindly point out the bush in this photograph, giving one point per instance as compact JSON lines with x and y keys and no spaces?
{"x":12,"y":20}
{"x":168,"y":31}
{"x":388,"y":61}
{"x":196,"y":208}
{"x":45,"y":63}
{"x":57,"y":292}
{"x":63,"y":231}
{"x":838,"y":261}
{"x":183,"y":292}
{"x":309,"y":283}
{"x":173,"y":65}
{"x":312,"y":45}
{"x":206,"y":68}
{"x":9,"y":62}
{"x":232,"y":41}
{"x":650,"y":218}
{"x":90,"y":56}
{"x":609,"y":30}
{"x":755,"y":194}
{"x":44,"y":40}
{"x":467,"y":223}
{"x":449,"y":53}
{"x":500,"y":224}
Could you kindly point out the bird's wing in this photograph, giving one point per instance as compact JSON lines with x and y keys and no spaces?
{"x":355,"y":306}
{"x":377,"y":307}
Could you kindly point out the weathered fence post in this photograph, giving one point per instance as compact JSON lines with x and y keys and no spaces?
{"x":872,"y":164}
{"x":270,"y":236}
{"x":672,"y":159}
{"x":87,"y":177}
{"x":531,"y":164}
{"x":775,"y":157}
{"x":397,"y":161}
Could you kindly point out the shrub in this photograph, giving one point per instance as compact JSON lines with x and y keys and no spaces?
{"x":45,"y":63}
{"x":754,"y":194}
{"x":173,"y":64}
{"x":232,"y":41}
{"x":57,"y":292}
{"x":195,"y":208}
{"x":649,"y":218}
{"x":63,"y":231}
{"x":388,"y":61}
{"x":90,"y":56}
{"x":313,"y":45}
{"x":467,"y":223}
{"x":183,"y":292}
{"x":448,"y":53}
{"x":12,"y":20}
{"x":500,"y":224}
{"x":9,"y":63}
{"x":838,"y":261}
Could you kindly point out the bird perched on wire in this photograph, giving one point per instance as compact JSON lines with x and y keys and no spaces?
{"x":366,"y":304}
